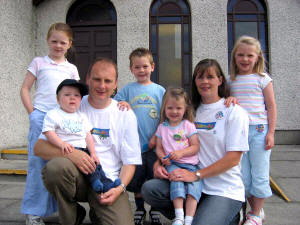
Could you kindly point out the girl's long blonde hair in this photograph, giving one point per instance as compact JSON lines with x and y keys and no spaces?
{"x":259,"y":66}
{"x":177,"y":93}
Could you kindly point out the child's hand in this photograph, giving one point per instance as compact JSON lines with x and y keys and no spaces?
{"x":176,"y":155}
{"x":95,"y":158}
{"x":124,"y":106}
{"x":152,"y":142}
{"x":230,"y":100}
{"x":269,"y":141}
{"x":66,"y":148}
{"x":166,"y":160}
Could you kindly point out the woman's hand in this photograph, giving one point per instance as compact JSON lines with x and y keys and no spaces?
{"x":165,"y":161}
{"x":230,"y":100}
{"x":159,"y":171}
{"x":182,"y":175}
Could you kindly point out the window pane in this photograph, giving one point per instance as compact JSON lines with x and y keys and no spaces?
{"x":186,"y":33}
{"x":170,"y":54}
{"x":245,"y":28}
{"x":169,"y":19}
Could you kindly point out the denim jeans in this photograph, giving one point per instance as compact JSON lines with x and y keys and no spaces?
{"x":256,"y":163}
{"x":179,"y":189}
{"x":37,"y":200}
{"x":212,"y":210}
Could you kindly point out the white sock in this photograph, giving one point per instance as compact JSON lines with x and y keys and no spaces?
{"x":188,"y":220}
{"x":179,"y":213}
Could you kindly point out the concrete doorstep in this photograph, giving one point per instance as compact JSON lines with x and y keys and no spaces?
{"x":285,"y":168}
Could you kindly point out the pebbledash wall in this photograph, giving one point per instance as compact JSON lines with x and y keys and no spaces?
{"x":24,"y":27}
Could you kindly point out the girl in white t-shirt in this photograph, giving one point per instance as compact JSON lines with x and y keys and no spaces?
{"x":254,"y":91}
{"x":46,"y":73}
{"x":177,"y":147}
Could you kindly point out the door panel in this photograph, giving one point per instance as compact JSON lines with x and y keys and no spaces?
{"x":91,"y":42}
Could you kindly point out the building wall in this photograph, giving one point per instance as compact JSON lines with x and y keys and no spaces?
{"x":17,"y":50}
{"x":209,"y":39}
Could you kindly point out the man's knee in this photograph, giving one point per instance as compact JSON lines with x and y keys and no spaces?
{"x":55,"y":171}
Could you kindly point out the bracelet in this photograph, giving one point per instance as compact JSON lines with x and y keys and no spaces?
{"x":123,"y":187}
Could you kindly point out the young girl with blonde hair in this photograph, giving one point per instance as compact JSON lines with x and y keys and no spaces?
{"x":46,"y":73}
{"x":253,"y":89}
{"x":177,"y":146}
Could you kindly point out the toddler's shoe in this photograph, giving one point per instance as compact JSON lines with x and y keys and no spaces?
{"x":34,"y":220}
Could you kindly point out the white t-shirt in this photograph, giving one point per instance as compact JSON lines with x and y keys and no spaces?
{"x":69,"y":127}
{"x":115,"y":135}
{"x":49,"y":75}
{"x":220,"y":130}
{"x":248,"y":89}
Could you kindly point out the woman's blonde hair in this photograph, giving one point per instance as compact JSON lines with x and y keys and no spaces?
{"x":259,"y":66}
{"x":177,"y":93}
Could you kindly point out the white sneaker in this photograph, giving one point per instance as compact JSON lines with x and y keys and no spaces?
{"x":253,"y":220}
{"x":34,"y":220}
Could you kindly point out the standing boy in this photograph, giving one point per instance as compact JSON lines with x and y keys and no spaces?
{"x":145,"y":98}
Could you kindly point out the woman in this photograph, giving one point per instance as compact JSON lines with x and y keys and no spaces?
{"x":223,"y":135}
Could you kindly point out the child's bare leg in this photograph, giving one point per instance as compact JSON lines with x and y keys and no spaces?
{"x":256,"y":204}
{"x":190,"y":209}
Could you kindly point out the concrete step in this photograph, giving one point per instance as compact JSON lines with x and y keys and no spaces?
{"x":15,"y":153}
{"x":13,"y":170}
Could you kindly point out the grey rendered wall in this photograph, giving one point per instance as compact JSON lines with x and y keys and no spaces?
{"x":284,"y":23}
{"x":16,"y":38}
{"x":209,"y":39}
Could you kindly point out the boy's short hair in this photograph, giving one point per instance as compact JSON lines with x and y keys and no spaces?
{"x":141,"y":52}
{"x":73,"y":83}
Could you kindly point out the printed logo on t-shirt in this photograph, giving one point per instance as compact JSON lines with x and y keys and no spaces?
{"x":219,"y":115}
{"x":73,"y":126}
{"x":205,"y":126}
{"x":145,"y":101}
{"x":102,"y":134}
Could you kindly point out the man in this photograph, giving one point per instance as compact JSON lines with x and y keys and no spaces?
{"x":117,"y":146}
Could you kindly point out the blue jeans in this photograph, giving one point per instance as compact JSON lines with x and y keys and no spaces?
{"x":37,"y":200}
{"x":256,"y":163}
{"x":212,"y":210}
{"x":180,"y":189}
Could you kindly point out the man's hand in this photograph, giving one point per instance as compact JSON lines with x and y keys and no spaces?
{"x":109,"y":197}
{"x":124,"y":106}
{"x":82,"y":161}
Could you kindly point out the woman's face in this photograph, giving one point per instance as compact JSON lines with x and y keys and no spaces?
{"x":208,"y":84}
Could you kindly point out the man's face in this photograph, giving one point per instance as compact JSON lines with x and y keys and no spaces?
{"x":102,"y":81}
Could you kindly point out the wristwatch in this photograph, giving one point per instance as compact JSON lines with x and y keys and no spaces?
{"x":198,"y":175}
{"x":123,"y":186}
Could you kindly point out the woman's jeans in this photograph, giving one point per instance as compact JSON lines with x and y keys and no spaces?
{"x":212,"y":210}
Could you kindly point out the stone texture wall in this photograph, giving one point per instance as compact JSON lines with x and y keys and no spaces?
{"x":24,"y":28}
{"x":17,"y":50}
